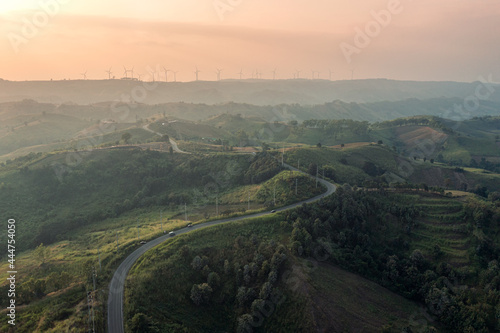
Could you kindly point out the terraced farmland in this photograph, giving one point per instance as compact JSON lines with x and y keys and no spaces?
{"x":443,"y":225}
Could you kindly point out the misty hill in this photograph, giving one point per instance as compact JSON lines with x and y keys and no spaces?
{"x":258,"y":92}
{"x":29,"y":126}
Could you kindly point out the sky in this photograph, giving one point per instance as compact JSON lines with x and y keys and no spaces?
{"x":424,"y":40}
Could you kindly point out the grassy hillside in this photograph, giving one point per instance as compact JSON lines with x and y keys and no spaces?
{"x":92,"y":213}
{"x":30,"y":130}
{"x":60,"y":196}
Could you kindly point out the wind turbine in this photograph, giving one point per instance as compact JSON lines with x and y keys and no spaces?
{"x":352,"y":73}
{"x":125,"y":72}
{"x":109,"y":73}
{"x":241,"y":73}
{"x":153,"y":73}
{"x":258,"y":75}
{"x":312,"y":72}
{"x":175,"y":76}
{"x":140,"y":76}
{"x":196,"y":72}
{"x":274,"y":74}
{"x":166,"y":73}
{"x":84,"y":75}
{"x":330,"y":72}
{"x":298,"y":73}
{"x":218,"y":73}
{"x":132,"y":72}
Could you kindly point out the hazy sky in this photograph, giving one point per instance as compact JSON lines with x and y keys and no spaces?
{"x":441,"y":40}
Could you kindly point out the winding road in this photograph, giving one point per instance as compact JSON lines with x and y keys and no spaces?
{"x":116,"y":287}
{"x":172,"y":142}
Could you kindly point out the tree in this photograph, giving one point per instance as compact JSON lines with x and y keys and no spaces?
{"x":318,"y":145}
{"x":41,"y":253}
{"x":313,"y":167}
{"x":200,"y":293}
{"x":171,"y":150}
{"x":380,"y":142}
{"x":213,"y":280}
{"x":370,"y":168}
{"x":197,"y":263}
{"x":140,"y":323}
{"x":126,"y":137}
{"x":244,"y":324}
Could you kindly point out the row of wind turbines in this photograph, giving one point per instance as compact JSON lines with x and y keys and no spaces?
{"x":156,"y":75}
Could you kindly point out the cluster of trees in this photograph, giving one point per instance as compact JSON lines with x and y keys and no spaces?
{"x":337,"y":127}
{"x":263,"y":167}
{"x":249,"y":283}
{"x":433,"y":122}
{"x":485,"y":165}
{"x":369,"y":233}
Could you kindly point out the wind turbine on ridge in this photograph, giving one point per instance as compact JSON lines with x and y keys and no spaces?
{"x":84,"y":75}
{"x":109,"y":73}
{"x":241,"y":73}
{"x":166,"y":73}
{"x":219,"y":71}
{"x":274,"y":74}
{"x":196,"y":72}
{"x":153,"y":73}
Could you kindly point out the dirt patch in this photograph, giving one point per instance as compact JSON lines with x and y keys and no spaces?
{"x":340,"y":301}
{"x":416,"y":136}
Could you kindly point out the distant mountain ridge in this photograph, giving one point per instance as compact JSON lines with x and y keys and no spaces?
{"x":256,"y":92}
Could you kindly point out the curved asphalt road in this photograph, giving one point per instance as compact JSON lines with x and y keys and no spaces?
{"x":116,"y":287}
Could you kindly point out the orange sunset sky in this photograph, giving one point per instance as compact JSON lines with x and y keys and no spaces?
{"x":456,"y":40}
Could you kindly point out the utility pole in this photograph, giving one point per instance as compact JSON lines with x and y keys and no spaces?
{"x":92,"y":301}
{"x":89,"y":297}
{"x":161,"y":221}
{"x":317,"y":170}
{"x":185,"y":212}
{"x":116,"y":240}
{"x":217,"y":205}
{"x":283,"y":157}
{"x":274,"y":195}
{"x":137,"y":229}
{"x":99,"y":254}
{"x":298,"y":165}
{"x":248,"y":201}
{"x":296,"y":181}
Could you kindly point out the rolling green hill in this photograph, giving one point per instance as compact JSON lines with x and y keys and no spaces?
{"x":307,"y":296}
{"x":275,"y":274}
